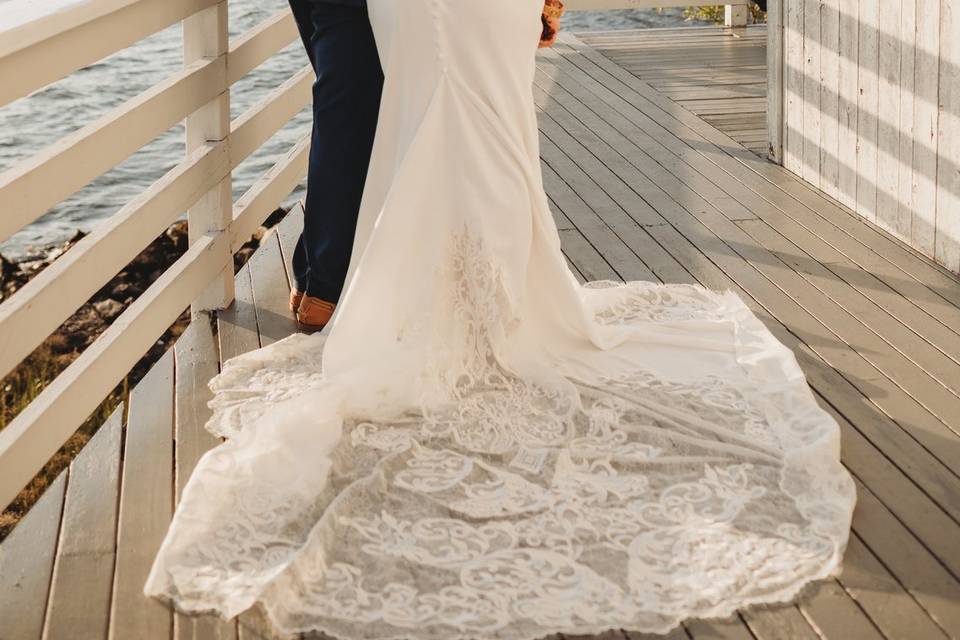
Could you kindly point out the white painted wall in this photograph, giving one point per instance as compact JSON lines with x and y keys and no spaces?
{"x":870,"y":107}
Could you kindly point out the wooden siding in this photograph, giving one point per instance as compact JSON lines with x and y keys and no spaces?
{"x":872,"y":112}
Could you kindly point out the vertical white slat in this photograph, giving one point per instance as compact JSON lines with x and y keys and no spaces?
{"x":908,"y":42}
{"x":736,"y":15}
{"x":926,"y":93}
{"x":775,"y":64}
{"x":867,"y":102}
{"x":948,"y":148}
{"x":793,"y":82}
{"x":205,"y":35}
{"x":888,"y":114}
{"x":847,"y":82}
{"x":829,"y":89}
{"x":811,"y":92}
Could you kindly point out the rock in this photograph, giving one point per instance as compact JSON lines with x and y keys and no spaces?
{"x":178,"y":235}
{"x":120,"y":291}
{"x":241,"y":257}
{"x":6,"y":268}
{"x":274,"y":218}
{"x":108,"y":309}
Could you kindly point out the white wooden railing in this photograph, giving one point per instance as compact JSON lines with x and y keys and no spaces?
{"x":37,"y":52}
{"x":40,"y":51}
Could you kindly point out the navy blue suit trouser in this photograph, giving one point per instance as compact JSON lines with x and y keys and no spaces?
{"x":346,"y":102}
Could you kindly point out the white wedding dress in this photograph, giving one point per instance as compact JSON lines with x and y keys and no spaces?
{"x":481,"y":447}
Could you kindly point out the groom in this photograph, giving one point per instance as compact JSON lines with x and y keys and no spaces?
{"x":346,"y":102}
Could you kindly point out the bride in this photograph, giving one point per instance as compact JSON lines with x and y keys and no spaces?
{"x":480,"y":447}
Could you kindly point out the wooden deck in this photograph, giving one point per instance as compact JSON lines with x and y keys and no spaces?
{"x":642,"y":189}
{"x":718,"y":73}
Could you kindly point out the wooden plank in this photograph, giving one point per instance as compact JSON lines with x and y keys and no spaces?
{"x":890,"y":328}
{"x":793,"y":85}
{"x":677,"y":633}
{"x":564,"y":181}
{"x":882,"y":598}
{"x":237,"y":331}
{"x":196,"y":363}
{"x":811,"y":130}
{"x":948,"y":140}
{"x":633,"y":210}
{"x":26,"y":564}
{"x":849,"y":53}
{"x":589,"y":263}
{"x":908,"y":560}
{"x":88,"y":538}
{"x":776,"y":622}
{"x":775,"y":82}
{"x":288,"y":233}
{"x":730,"y":629}
{"x":254,"y":625}
{"x":908,"y":50}
{"x":829,"y":96}
{"x":271,"y":292}
{"x":868,"y":98}
{"x":926,"y":115}
{"x":146,"y":506}
{"x":888,"y":114}
{"x":835,"y":615}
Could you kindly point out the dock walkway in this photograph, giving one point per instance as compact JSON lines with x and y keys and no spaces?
{"x":720,"y":74}
{"x":641,"y":188}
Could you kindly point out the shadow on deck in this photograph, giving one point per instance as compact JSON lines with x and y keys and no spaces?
{"x":641,"y":188}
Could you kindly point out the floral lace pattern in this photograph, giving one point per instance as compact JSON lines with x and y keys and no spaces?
{"x":514,"y":511}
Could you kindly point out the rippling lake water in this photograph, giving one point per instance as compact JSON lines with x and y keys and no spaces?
{"x":32,"y":123}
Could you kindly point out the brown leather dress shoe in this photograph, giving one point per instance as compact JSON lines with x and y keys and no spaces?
{"x":313,"y":314}
{"x":296,"y":297}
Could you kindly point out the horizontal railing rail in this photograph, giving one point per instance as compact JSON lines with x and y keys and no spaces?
{"x":30,"y":59}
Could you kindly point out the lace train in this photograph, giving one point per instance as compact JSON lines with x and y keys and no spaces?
{"x":513,"y":513}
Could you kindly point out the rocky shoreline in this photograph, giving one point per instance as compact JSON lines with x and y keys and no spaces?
{"x":79,"y":331}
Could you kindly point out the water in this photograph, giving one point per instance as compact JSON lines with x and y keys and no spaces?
{"x":32,"y":123}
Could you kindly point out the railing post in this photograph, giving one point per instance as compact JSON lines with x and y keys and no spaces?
{"x":206,"y":35}
{"x":736,"y":15}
